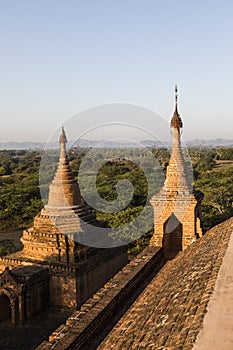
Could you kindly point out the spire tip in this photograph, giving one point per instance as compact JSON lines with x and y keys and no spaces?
{"x":176,"y":93}
{"x":176,"y":121}
{"x":62,"y":138}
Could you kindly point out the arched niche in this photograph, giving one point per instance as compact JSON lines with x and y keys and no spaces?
{"x":5,"y":308}
{"x":9,"y":303}
{"x":172,"y":236}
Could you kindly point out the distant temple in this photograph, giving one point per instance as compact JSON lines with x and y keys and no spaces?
{"x":53,"y":268}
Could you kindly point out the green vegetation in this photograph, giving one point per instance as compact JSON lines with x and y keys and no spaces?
{"x":20,"y":195}
{"x":6,"y":246}
{"x":215,"y":182}
{"x":217,"y":187}
{"x":19,"y":191}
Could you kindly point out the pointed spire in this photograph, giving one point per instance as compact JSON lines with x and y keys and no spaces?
{"x":176,"y":121}
{"x":176,"y":94}
{"x":63,"y":138}
{"x":176,"y":179}
{"x":64,"y":190}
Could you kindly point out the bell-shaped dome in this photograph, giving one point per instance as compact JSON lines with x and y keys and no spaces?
{"x":176,"y":121}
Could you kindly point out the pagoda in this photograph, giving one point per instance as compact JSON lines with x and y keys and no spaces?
{"x":177,"y":207}
{"x":55,"y":267}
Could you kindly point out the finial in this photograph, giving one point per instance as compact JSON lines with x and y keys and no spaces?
{"x":176,"y":121}
{"x":62,"y":138}
{"x":176,"y":94}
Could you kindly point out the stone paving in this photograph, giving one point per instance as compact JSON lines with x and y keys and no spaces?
{"x":169,"y":313}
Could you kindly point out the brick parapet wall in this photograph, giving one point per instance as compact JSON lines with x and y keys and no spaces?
{"x":98,"y":258}
{"x":84,"y":327}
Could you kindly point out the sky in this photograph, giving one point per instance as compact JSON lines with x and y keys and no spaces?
{"x":61,"y":57}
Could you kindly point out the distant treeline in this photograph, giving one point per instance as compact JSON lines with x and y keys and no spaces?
{"x":20,"y":198}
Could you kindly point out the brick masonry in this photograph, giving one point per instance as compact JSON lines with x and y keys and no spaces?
{"x":177,"y":208}
{"x":89,"y":324}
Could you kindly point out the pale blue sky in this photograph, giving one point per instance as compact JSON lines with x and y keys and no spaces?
{"x":60,"y":57}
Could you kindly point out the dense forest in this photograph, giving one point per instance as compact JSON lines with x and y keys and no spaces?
{"x":20,"y":198}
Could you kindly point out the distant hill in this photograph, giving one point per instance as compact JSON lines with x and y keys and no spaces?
{"x":21,"y":145}
{"x":210,"y":143}
{"x":91,"y":143}
{"x":42,"y":145}
{"x":194,"y":143}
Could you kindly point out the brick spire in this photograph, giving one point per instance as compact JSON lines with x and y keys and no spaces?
{"x":54,"y":230}
{"x":177,"y":207}
{"x":177,"y":176}
{"x":64,"y":190}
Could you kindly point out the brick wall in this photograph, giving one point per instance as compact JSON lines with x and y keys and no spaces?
{"x":90,"y":324}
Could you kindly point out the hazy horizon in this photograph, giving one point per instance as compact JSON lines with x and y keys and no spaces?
{"x":102,"y":140}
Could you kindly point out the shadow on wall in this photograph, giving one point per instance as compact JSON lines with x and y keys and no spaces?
{"x":5,"y":308}
{"x":172,"y":236}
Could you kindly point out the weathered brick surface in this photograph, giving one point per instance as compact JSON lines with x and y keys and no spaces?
{"x":169,"y":313}
{"x":176,"y":207}
{"x":85,"y":327}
